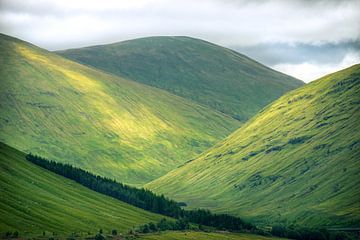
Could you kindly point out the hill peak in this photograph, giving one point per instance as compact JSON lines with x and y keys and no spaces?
{"x":192,"y":68}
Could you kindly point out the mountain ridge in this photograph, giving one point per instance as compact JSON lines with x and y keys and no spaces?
{"x":196,"y":69}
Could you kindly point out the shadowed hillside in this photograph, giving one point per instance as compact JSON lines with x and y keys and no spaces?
{"x":195,"y":69}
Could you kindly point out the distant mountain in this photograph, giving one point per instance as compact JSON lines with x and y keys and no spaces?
{"x":110,"y":126}
{"x":34,"y":200}
{"x":195,"y":69}
{"x":296,"y":162}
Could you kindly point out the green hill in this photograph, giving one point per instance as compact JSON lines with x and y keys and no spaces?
{"x":34,"y":200}
{"x":195,"y":69}
{"x":108,"y":125}
{"x":296,"y":162}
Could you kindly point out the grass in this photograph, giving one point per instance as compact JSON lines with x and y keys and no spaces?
{"x":296,"y":162}
{"x":34,"y":200}
{"x":177,"y":235}
{"x":194,"y":69}
{"x":106,"y":124}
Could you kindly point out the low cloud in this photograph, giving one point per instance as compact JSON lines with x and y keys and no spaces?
{"x":308,"y":71}
{"x":305,"y":61}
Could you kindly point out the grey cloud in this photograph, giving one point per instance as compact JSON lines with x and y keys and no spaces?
{"x":225,"y":22}
{"x":273,"y":32}
{"x":310,"y":3}
{"x":277,"y":53}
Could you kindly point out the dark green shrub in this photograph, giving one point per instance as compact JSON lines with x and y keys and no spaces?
{"x":99,"y":237}
{"x":15,"y":234}
{"x":152,"y":227}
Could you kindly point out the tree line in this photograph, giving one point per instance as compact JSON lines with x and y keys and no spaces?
{"x":160,"y":204}
{"x":142,"y":198}
{"x":311,"y":234}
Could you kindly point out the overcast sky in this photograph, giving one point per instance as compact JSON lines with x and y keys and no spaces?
{"x":303,"y":38}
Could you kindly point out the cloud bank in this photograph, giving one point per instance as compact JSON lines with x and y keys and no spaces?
{"x":256,"y":26}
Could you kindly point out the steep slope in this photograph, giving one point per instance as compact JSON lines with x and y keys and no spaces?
{"x":297,"y":161}
{"x":108,"y":125}
{"x":195,"y":69}
{"x":34,"y":200}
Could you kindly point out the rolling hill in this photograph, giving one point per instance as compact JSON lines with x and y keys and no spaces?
{"x":295,"y":162}
{"x":108,"y":125}
{"x":34,"y":200}
{"x":194,"y":69}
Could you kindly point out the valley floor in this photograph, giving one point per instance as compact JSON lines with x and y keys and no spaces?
{"x":179,"y":235}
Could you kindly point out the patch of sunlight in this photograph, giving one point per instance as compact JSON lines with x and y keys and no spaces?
{"x":130,"y":124}
{"x":82,"y":82}
{"x":31,"y":55}
{"x":113,"y":114}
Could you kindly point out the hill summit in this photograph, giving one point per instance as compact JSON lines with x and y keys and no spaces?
{"x":194,"y":69}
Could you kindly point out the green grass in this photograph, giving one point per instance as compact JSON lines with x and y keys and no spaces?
{"x":195,"y":69}
{"x":33,"y":200}
{"x":296,"y":162}
{"x":108,"y":125}
{"x":177,"y":235}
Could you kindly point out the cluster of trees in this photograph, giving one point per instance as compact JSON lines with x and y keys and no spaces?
{"x":219,"y":221}
{"x":292,"y":233}
{"x":141,"y":198}
{"x":12,"y":234}
{"x":100,"y":235}
{"x":310,"y":234}
{"x":163,"y":225}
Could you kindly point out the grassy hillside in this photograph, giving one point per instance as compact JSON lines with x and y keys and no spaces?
{"x":201,"y":71}
{"x":108,"y":125}
{"x":173,"y":235}
{"x":34,"y":200}
{"x":297,"y":161}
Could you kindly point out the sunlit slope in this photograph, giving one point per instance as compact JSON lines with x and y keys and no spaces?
{"x":297,"y":161}
{"x":111,"y":126}
{"x":192,"y":68}
{"x":34,"y":200}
